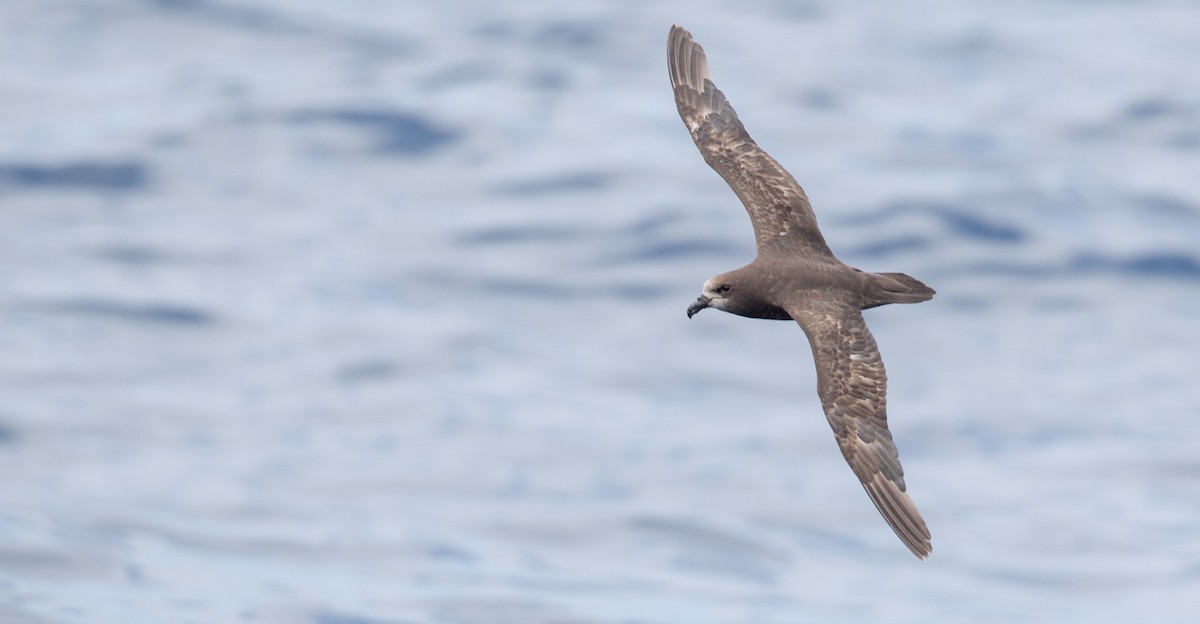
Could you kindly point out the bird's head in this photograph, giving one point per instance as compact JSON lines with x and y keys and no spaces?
{"x":739,"y":292}
{"x":717,"y":293}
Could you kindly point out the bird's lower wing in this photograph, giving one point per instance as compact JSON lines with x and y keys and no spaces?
{"x":852,"y":384}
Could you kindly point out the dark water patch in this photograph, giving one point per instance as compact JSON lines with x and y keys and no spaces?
{"x":366,"y":371}
{"x":814,"y":539}
{"x":673,"y":250}
{"x":795,"y":9}
{"x":396,"y":133}
{"x":35,"y":561}
{"x":696,"y":539}
{"x":130,"y":254}
{"x":1091,"y":132}
{"x":741,"y":568}
{"x":447,"y":552}
{"x":967,"y":48}
{"x":1162,"y":265}
{"x":990,"y":440}
{"x":1011,"y":269}
{"x":1150,"y":109}
{"x":1174,"y":124}
{"x":459,"y":74}
{"x":975,"y":144}
{"x":558,"y":183}
{"x":568,"y":35}
{"x":1166,"y":206}
{"x":656,"y":221}
{"x":80,"y":175}
{"x":487,"y":288}
{"x":8,"y":435}
{"x":1178,"y":120}
{"x":527,"y":288}
{"x":1059,"y":304}
{"x":1155,"y":264}
{"x":547,"y":79}
{"x":465,"y":609}
{"x":961,"y":220}
{"x":507,"y":235}
{"x":820,"y":99}
{"x":984,"y":439}
{"x":162,"y":313}
{"x":1184,"y":139}
{"x":636,"y":291}
{"x":549,"y":290}
{"x":972,"y":226}
{"x":340,"y":618}
{"x":880,"y":249}
{"x":964,"y":303}
{"x":169,"y":139}
{"x":496,"y":30}
{"x":245,"y":16}
{"x":656,"y":237}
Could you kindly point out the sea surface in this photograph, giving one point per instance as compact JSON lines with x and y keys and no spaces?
{"x":372,"y":312}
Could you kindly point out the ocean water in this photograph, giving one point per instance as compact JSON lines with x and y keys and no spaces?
{"x":373,"y":313}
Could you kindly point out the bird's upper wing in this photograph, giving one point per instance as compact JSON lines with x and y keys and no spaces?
{"x":852,"y":384}
{"x":779,"y":210}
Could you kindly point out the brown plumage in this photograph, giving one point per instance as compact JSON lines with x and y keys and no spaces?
{"x":796,"y":276}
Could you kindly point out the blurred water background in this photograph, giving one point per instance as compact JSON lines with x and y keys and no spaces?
{"x":372,"y":312}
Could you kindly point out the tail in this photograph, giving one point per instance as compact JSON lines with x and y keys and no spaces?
{"x":885,"y":288}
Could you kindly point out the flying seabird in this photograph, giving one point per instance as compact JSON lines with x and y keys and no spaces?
{"x":796,"y":277}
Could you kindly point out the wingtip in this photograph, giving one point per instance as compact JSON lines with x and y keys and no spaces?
{"x":676,"y":35}
{"x":901,"y":514}
{"x":677,"y":39}
{"x":922,"y":550}
{"x":688,"y":66}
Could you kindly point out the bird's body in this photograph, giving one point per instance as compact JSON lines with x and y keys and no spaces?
{"x":795,"y":276}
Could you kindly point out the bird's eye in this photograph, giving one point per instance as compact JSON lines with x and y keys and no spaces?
{"x":724,"y":288}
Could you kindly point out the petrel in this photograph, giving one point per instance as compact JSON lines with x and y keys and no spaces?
{"x":796,"y":277}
